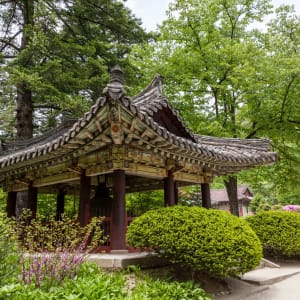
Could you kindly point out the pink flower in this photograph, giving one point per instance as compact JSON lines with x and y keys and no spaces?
{"x":292,"y":207}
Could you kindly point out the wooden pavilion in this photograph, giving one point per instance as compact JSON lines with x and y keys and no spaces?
{"x":122,"y":144}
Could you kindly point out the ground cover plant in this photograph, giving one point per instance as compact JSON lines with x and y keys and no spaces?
{"x":91,"y":283}
{"x":279,"y":232}
{"x":212,"y":241}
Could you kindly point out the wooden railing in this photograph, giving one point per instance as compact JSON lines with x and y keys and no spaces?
{"x":106,"y":232}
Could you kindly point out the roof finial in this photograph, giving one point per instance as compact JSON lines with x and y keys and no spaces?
{"x":117,"y":75}
{"x":115,"y":87}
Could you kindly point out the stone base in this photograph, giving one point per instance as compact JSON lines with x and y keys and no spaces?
{"x":118,"y":251}
{"x":123,"y":260}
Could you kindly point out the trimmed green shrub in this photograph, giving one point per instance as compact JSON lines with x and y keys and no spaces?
{"x":206,"y":240}
{"x":278,"y":231}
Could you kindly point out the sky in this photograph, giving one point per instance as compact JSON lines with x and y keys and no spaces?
{"x":152,"y":12}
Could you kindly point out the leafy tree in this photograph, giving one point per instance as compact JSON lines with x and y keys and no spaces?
{"x":281,"y":105}
{"x":257,"y":202}
{"x":140,"y":202}
{"x":207,"y":53}
{"x":275,"y":111}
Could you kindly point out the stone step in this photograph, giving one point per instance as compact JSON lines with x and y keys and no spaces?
{"x":123,"y":260}
{"x":269,"y":275}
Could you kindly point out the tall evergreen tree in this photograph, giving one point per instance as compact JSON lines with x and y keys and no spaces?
{"x":55,"y":55}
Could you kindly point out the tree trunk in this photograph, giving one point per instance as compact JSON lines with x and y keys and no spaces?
{"x":231,"y":188}
{"x":24,"y":116}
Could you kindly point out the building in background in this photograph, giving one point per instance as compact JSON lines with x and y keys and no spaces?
{"x":219,"y":199}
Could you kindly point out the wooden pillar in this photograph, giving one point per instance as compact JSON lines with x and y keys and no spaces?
{"x":176,"y":193}
{"x":84,"y":199}
{"x":32,"y":200}
{"x":60,"y":205}
{"x":11,"y":204}
{"x":169,"y":189}
{"x":205,"y":193}
{"x":118,"y":214}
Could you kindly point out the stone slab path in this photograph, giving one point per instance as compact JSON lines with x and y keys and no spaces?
{"x":267,"y":284}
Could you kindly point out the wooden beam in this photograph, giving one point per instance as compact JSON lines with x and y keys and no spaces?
{"x":187,"y":177}
{"x":98,"y":169}
{"x":99,"y":127}
{"x":140,"y":184}
{"x":57,"y":178}
{"x":75,"y":169}
{"x":147,"y":171}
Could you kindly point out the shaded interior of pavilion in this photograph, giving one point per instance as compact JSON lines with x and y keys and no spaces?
{"x":104,"y":196}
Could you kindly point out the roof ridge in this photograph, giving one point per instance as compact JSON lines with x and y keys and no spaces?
{"x":42,"y":138}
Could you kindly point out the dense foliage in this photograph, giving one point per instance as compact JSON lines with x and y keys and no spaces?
{"x":47,"y":234}
{"x":140,"y":202}
{"x":91,"y":283}
{"x":208,"y":240}
{"x":278,"y":231}
{"x":88,"y":284}
{"x":168,"y":290}
{"x":9,"y":256}
{"x":55,"y":55}
{"x":66,"y":275}
{"x":229,"y":79}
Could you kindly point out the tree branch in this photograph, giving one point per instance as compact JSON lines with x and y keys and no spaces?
{"x":9,"y":56}
{"x":285,"y":97}
{"x":59,"y":16}
{"x":48,"y":106}
{"x":8,"y":43}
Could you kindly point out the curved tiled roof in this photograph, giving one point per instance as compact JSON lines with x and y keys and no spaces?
{"x":151,"y":101}
{"x":227,"y":154}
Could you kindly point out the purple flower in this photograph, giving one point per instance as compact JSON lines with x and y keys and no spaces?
{"x":292,"y":207}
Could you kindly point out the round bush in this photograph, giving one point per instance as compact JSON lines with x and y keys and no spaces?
{"x":206,"y":240}
{"x":278,"y":231}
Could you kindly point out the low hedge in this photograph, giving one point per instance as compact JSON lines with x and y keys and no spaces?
{"x":278,"y":231}
{"x":203,"y":240}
